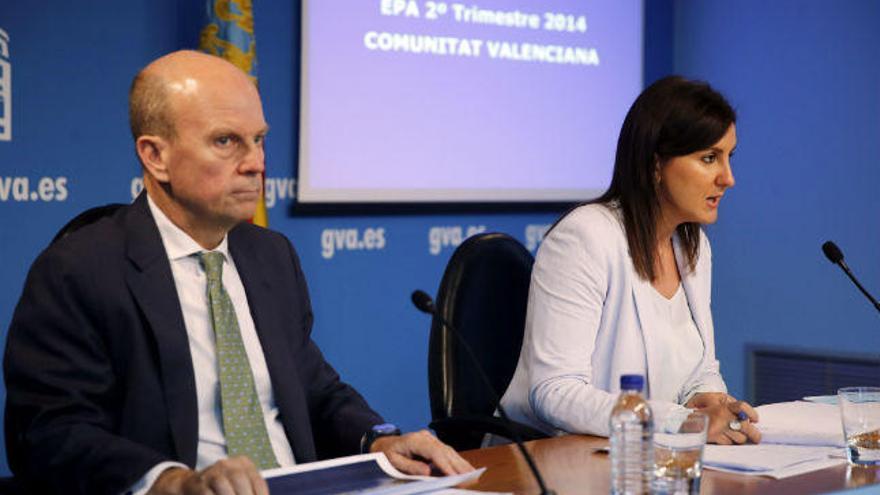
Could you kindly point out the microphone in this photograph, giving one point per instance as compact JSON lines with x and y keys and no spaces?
{"x":835,"y":255}
{"x":425,"y":304}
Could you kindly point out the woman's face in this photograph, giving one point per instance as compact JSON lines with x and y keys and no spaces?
{"x":691,"y":186}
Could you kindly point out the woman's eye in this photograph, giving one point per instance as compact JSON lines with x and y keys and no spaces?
{"x":709,"y":158}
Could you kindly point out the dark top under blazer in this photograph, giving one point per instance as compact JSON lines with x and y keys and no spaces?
{"x":98,"y":372}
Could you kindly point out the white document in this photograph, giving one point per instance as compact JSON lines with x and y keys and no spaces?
{"x":368,"y":474}
{"x":822,"y":399}
{"x":773,"y":460}
{"x":800,"y":423}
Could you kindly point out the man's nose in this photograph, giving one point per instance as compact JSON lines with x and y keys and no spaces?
{"x":254,"y":161}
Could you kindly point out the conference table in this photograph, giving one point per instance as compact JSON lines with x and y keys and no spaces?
{"x":572,"y":465}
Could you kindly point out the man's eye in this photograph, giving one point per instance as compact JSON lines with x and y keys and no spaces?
{"x":224,"y":140}
{"x":259,"y":139}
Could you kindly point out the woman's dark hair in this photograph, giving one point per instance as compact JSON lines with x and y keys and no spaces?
{"x":672,"y":117}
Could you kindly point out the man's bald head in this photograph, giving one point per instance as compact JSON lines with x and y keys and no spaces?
{"x":150,"y":99}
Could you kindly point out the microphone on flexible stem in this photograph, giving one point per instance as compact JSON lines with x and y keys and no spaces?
{"x":425,"y":304}
{"x":835,"y":255}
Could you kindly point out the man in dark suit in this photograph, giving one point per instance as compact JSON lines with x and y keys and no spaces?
{"x":123,"y":363}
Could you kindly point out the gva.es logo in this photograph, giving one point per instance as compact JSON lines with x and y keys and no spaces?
{"x":335,"y":240}
{"x":5,"y":89}
{"x":450,"y":236}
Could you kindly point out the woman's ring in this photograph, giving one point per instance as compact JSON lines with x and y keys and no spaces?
{"x":735,"y":425}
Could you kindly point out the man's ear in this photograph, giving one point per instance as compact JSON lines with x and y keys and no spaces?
{"x":153,"y":152}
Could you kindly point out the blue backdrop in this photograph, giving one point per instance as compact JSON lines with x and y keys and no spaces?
{"x":802,"y":73}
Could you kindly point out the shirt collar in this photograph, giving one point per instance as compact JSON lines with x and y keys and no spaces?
{"x":178,"y":244}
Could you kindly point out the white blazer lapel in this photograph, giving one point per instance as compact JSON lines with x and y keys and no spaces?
{"x":647,"y":316}
{"x":693,"y":289}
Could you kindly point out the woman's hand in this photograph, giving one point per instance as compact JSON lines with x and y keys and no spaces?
{"x":725,"y":413}
{"x":703,"y":400}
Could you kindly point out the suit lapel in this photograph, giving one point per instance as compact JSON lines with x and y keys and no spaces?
{"x":692,"y":289}
{"x":645,"y":310}
{"x":274,"y":333}
{"x":151,"y":283}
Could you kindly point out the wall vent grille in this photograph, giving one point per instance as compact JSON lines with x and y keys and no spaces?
{"x":779,"y":375}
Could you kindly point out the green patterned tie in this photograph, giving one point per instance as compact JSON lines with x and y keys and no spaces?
{"x":243,"y":422}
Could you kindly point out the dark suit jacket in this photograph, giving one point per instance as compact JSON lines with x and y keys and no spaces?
{"x":98,"y":372}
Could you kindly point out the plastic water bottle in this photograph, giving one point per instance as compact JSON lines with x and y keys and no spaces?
{"x":632,"y":442}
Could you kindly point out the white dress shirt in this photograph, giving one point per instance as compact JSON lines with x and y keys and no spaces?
{"x":591,"y":318}
{"x":191,"y":285}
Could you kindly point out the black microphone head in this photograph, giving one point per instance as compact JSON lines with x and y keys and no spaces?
{"x":832,"y":252}
{"x":423,"y":301}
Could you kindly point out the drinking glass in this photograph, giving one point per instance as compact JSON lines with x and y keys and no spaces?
{"x":860,"y":414}
{"x":678,"y":455}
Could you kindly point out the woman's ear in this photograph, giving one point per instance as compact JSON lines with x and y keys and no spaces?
{"x":657,"y":166}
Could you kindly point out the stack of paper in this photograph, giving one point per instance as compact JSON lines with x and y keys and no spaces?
{"x":801,"y":423}
{"x":773,"y":460}
{"x":796,"y":438}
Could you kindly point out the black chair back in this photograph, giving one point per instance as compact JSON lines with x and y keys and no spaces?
{"x":483,"y":293}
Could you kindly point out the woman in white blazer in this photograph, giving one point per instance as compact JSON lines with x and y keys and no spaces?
{"x":623,"y":284}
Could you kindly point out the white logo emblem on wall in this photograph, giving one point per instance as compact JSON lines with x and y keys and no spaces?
{"x":535,"y":235}
{"x":5,"y":89}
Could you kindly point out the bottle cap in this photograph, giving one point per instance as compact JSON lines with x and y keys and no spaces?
{"x":632,"y":382}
